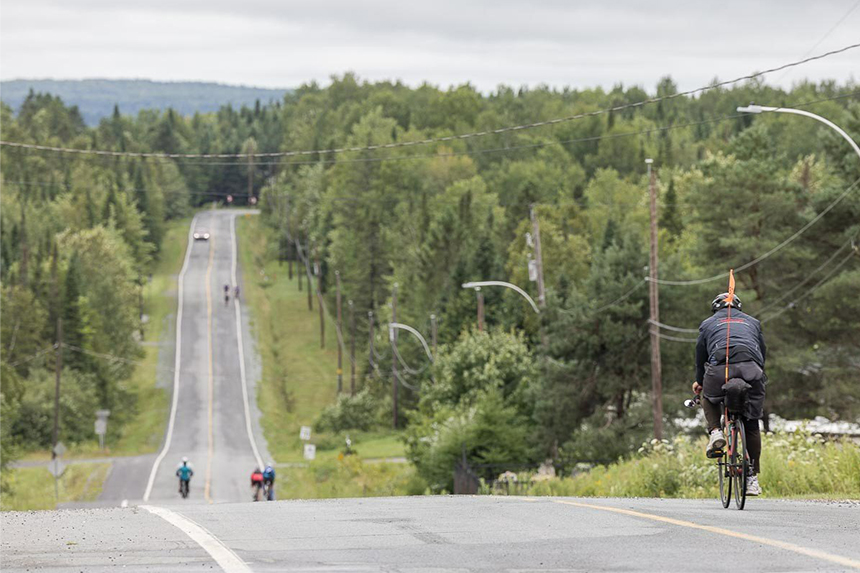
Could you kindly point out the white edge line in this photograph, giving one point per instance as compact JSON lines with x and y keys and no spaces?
{"x":223,"y":555}
{"x":241,"y":346}
{"x":180,"y":281}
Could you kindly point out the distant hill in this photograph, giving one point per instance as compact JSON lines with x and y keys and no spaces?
{"x":96,"y":98}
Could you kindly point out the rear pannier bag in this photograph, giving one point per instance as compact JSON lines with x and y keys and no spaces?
{"x":736,"y":394}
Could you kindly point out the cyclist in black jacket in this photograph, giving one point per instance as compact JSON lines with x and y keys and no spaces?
{"x":747,"y":353}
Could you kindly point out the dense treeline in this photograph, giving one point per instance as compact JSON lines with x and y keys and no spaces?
{"x":572,"y":382}
{"x":96,"y":98}
{"x":429,"y":218}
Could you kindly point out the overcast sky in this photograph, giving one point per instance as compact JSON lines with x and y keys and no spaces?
{"x":284,"y":43}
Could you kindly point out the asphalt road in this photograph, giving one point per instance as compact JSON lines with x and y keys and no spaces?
{"x":424,"y":534}
{"x":210,"y":423}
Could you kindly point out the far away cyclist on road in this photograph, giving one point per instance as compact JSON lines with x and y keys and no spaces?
{"x":226,"y":294}
{"x":746,"y":353}
{"x":269,"y":479}
{"x":184,"y":472}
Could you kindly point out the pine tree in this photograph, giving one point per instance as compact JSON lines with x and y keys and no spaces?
{"x":670,"y":218}
{"x":73,"y":327}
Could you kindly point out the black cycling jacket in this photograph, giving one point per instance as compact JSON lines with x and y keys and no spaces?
{"x":746,"y":341}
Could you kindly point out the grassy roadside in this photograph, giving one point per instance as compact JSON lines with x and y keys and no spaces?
{"x":794,"y":465}
{"x":299,"y":380}
{"x":34,"y":487}
{"x":142,"y":433}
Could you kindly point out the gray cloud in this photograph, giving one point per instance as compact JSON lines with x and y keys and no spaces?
{"x":285,"y":43}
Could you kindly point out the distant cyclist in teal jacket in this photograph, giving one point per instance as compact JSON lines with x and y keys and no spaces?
{"x":184,"y":472}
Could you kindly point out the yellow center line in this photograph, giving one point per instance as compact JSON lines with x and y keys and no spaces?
{"x":208,"y":487}
{"x":815,"y":553}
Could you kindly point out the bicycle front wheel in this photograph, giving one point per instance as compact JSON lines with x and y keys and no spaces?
{"x":740,"y":464}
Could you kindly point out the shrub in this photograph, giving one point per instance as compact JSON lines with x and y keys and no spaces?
{"x":489,"y":432}
{"x":357,"y":412}
{"x":33,"y":421}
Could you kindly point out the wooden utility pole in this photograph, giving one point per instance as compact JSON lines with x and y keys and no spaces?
{"x":250,"y":177}
{"x":339,"y":328}
{"x":538,"y":256}
{"x":656,"y":367}
{"x":298,"y":266}
{"x":59,"y":372}
{"x":289,"y":252}
{"x":351,"y":347}
{"x":370,"y":338}
{"x":392,"y":333}
{"x":310,"y":272}
{"x":433,"y":332}
{"x":317,"y":272}
{"x":480,"y":309}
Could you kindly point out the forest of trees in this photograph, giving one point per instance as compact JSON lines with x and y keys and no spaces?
{"x":571,"y":382}
{"x":96,"y":98}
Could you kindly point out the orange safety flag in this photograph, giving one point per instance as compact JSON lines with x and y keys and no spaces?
{"x":731,"y":286}
{"x":729,"y":300}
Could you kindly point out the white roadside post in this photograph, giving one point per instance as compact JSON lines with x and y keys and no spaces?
{"x":101,"y":426}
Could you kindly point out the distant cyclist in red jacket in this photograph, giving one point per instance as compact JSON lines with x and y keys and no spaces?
{"x":256,"y":483}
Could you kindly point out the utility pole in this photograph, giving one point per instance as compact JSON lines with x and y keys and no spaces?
{"x":339,"y":336}
{"x":309,"y":271}
{"x":298,"y":268}
{"x":250,"y":177}
{"x":320,"y":302}
{"x":370,"y":338}
{"x":392,"y":333}
{"x":140,"y":283}
{"x":480,"y":309}
{"x":289,"y":253}
{"x":59,"y":372}
{"x":656,"y":367}
{"x":351,"y":347}
{"x":538,"y":256}
{"x":433,"y":332}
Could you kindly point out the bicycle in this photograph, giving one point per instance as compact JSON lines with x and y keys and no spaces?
{"x":183,"y":488}
{"x":733,"y":459}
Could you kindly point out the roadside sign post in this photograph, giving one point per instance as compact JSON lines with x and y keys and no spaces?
{"x":101,"y":426}
{"x":310,"y":451}
{"x":305,"y":433}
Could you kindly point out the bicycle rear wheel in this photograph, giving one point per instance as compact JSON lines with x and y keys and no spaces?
{"x":725,"y":471}
{"x":740,"y":464}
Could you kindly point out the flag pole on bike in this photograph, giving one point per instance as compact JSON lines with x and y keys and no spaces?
{"x":729,"y":300}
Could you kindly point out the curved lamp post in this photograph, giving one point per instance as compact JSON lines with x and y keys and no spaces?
{"x":506,"y":285}
{"x":407,"y":328}
{"x":752,"y":108}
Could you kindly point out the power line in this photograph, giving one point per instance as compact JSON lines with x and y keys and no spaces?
{"x":774,"y":250}
{"x":818,"y":285}
{"x":808,"y":277}
{"x":426,"y":141}
{"x":774,"y":303}
{"x":514,"y":148}
{"x":824,"y":37}
{"x":673,"y":328}
{"x":673,"y":338}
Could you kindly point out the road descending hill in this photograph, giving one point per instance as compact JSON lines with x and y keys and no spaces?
{"x":440,"y":533}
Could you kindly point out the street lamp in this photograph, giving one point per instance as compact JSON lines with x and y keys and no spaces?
{"x":752,"y":108}
{"x":407,"y":328}
{"x":506,"y":285}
